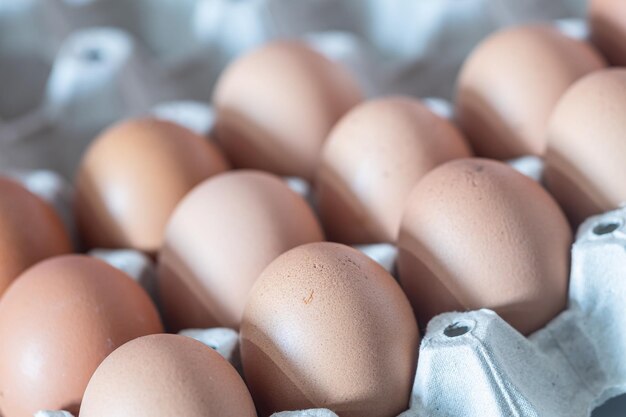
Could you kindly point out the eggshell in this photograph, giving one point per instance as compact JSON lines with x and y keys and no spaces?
{"x":30,"y":231}
{"x":372,"y":159}
{"x":510,"y":83}
{"x":607,"y":21}
{"x":219,"y":239}
{"x":586,"y":147}
{"x":327,"y":327}
{"x":132,"y":177}
{"x":276,"y":104}
{"x":166,"y":375}
{"x":477,"y":234}
{"x":58,"y":321}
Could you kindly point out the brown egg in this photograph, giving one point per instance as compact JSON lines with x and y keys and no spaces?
{"x":58,"y":321}
{"x":372,"y":159}
{"x":477,"y":234}
{"x":218,"y":241}
{"x":327,"y":327}
{"x":276,"y":104}
{"x":30,"y":231}
{"x":166,"y":375}
{"x":132,"y":177}
{"x":586,"y":147}
{"x":510,"y":83}
{"x":607,"y":21}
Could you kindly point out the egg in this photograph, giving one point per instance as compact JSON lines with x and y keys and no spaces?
{"x":372,"y":159}
{"x":476,"y":234}
{"x":58,"y":321}
{"x":510,"y":83}
{"x":219,"y":239}
{"x":327,"y":327}
{"x":586,"y":149}
{"x":276,"y":104}
{"x":30,"y":231}
{"x":131,"y":178}
{"x":166,"y":375}
{"x":607,"y":22}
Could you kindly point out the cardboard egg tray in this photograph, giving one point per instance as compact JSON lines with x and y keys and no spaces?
{"x":474,"y":363}
{"x":69,"y":68}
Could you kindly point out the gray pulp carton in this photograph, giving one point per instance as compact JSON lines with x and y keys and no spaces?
{"x":475,"y":364}
{"x":69,"y":68}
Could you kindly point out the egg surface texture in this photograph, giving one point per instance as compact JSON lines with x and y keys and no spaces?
{"x":220,"y":238}
{"x":478,"y":234}
{"x":327,"y":327}
{"x":276,"y":104}
{"x":510,"y":83}
{"x":586,"y":147}
{"x":58,"y":321}
{"x":166,"y":375}
{"x":30,"y":231}
{"x":131,"y":178}
{"x":372,"y":159}
{"x":607,"y":21}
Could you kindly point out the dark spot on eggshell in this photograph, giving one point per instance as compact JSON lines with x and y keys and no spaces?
{"x":308,"y":299}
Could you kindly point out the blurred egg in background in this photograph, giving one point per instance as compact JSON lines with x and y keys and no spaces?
{"x":276,"y":104}
{"x":131,"y":178}
{"x":585,"y":168}
{"x":219,"y":239}
{"x":371,"y":160}
{"x":58,"y":321}
{"x":510,"y":83}
{"x":30,"y":231}
{"x":607,"y":21}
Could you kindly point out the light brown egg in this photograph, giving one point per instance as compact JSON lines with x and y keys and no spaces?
{"x":276,"y":105}
{"x":586,"y":147}
{"x":219,"y":239}
{"x":166,"y":375}
{"x":372,"y":159}
{"x":510,"y":83}
{"x":327,"y":327}
{"x":607,"y":21}
{"x":477,"y":234}
{"x":132,"y":177}
{"x":30,"y":231}
{"x":58,"y":321}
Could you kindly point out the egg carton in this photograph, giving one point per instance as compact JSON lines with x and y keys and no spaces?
{"x":69,"y":68}
{"x":474,"y":363}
